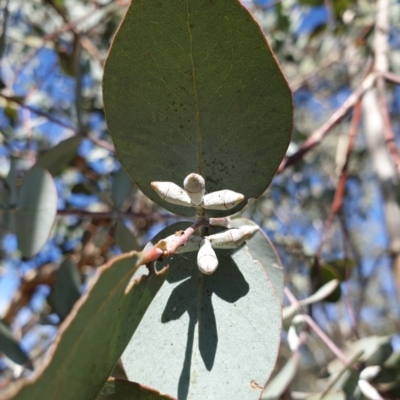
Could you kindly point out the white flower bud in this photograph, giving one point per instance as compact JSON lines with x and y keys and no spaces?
{"x":229,"y":239}
{"x":172,"y":193}
{"x":206,"y":258}
{"x":222,"y":200}
{"x":192,"y":244}
{"x":194,"y":185}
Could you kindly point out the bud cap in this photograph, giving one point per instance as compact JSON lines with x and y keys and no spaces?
{"x":194,"y":185}
{"x":222,"y":200}
{"x":206,"y":258}
{"x":172,"y":193}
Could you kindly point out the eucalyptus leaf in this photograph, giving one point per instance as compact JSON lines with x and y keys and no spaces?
{"x":208,"y":329}
{"x":58,"y":157}
{"x":124,"y":238}
{"x":281,"y":380}
{"x":193,"y":86}
{"x":12,"y":183}
{"x":121,"y":187}
{"x":376,"y":350}
{"x":36,"y":211}
{"x":262,"y":250}
{"x":338,"y":395}
{"x":10,"y":346}
{"x":66,"y":289}
{"x":93,"y":336}
{"x":120,"y":389}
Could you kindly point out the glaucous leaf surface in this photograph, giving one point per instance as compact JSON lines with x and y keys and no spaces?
{"x":281,"y":380}
{"x":120,"y":389}
{"x":193,"y":86}
{"x":124,"y":238}
{"x":261,"y":249}
{"x":36,"y":211}
{"x":211,"y":336}
{"x":66,"y":289}
{"x":57,"y":158}
{"x":94,"y":335}
{"x":10,"y":346}
{"x":121,"y":187}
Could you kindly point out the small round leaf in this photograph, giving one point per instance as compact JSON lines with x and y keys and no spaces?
{"x":36,"y":211}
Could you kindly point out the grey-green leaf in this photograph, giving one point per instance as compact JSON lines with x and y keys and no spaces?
{"x":120,"y":389}
{"x":58,"y":157}
{"x":212,"y":336}
{"x":66,"y":290}
{"x":124,"y":238}
{"x":10,"y":346}
{"x":262,"y":250}
{"x":36,"y":211}
{"x":338,"y":395}
{"x":193,"y":86}
{"x":121,"y":187}
{"x":282,"y":379}
{"x":93,"y":336}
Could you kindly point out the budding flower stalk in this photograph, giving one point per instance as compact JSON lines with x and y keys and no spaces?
{"x":192,"y":244}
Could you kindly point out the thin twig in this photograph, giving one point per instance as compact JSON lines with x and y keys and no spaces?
{"x":168,"y":246}
{"x":326,"y":339}
{"x":381,"y":48}
{"x":34,"y":110}
{"x":115,"y":214}
{"x":339,"y":354}
{"x":326,"y":128}
{"x":341,"y":186}
{"x":390,"y":76}
{"x":68,"y":26}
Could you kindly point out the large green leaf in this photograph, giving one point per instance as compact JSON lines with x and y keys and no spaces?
{"x":36,"y":211}
{"x":95,"y":333}
{"x":212,"y":336}
{"x":120,"y":389}
{"x":192,"y":86}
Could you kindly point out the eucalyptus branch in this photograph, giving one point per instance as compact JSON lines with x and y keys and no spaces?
{"x":327,"y":127}
{"x":115,"y":214}
{"x":167,"y":247}
{"x":381,"y":49}
{"x":341,"y":186}
{"x":311,"y":323}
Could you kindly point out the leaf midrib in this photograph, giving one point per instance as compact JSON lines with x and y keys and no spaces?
{"x":196,"y":98}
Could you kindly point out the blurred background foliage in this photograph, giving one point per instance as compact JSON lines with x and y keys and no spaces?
{"x":51,"y":115}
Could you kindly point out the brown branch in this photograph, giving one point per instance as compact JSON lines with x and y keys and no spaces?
{"x":110,"y":215}
{"x":68,"y":26}
{"x":326,"y":128}
{"x":390,"y":76}
{"x":168,"y":246}
{"x":311,"y":323}
{"x":337,"y":203}
{"x":49,"y":117}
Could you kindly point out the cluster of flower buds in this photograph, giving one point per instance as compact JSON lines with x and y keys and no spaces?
{"x":207,"y":260}
{"x":193,"y":194}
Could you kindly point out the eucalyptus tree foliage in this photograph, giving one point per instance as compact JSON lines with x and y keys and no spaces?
{"x":200,"y":116}
{"x":204,"y":103}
